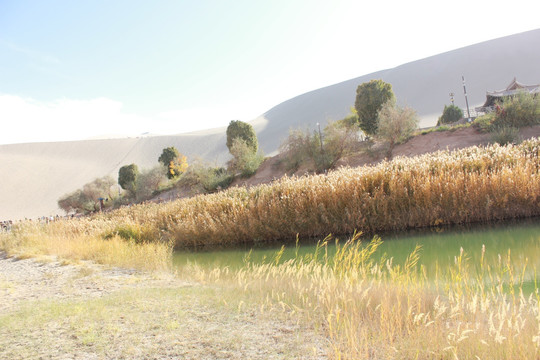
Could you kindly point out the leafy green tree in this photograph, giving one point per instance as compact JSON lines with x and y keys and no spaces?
{"x":169,"y":154}
{"x":370,"y":97}
{"x":396,"y":124}
{"x":127,"y":177}
{"x":175,"y":162}
{"x":451,"y":114}
{"x":244,"y":131}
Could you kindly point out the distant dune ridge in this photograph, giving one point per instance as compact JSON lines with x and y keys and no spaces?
{"x":34,"y":176}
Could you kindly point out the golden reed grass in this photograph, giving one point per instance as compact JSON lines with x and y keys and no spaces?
{"x":448,"y":187}
{"x":80,"y":239}
{"x":377,"y":309}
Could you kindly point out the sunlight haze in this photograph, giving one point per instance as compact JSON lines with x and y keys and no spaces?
{"x":79,"y":70}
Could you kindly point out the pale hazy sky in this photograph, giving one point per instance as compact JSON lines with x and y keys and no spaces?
{"x":72,"y":70}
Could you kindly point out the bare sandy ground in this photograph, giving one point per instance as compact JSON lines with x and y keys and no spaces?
{"x":49,"y":310}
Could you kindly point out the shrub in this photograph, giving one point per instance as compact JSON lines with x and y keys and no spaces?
{"x":518,"y":111}
{"x":149,"y":182}
{"x":451,"y":114}
{"x":244,"y":159}
{"x":505,"y":135}
{"x":396,"y":124}
{"x":297,"y":148}
{"x":339,"y":139}
{"x":484,"y":122}
{"x":202,"y":178}
{"x":86,"y":200}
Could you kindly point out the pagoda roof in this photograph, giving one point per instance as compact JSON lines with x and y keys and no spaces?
{"x":513,"y":88}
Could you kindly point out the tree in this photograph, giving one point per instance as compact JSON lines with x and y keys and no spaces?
{"x":451,"y":114}
{"x":149,"y":181}
{"x":72,"y":202}
{"x":244,"y":131}
{"x":395,"y":124}
{"x":175,"y":162}
{"x":87,"y":199}
{"x":127,"y":177}
{"x":339,"y":139}
{"x":169,"y":154}
{"x":370,"y":97}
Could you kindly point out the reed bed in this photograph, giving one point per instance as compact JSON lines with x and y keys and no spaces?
{"x":476,"y":184}
{"x":75,"y":240}
{"x":377,"y":309}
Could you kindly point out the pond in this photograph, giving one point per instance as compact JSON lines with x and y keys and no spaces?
{"x":439,"y":247}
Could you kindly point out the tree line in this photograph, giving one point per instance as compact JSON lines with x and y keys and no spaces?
{"x":375,"y":118}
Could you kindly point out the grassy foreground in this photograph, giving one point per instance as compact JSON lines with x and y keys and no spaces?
{"x":364,"y":308}
{"x":381,"y":310}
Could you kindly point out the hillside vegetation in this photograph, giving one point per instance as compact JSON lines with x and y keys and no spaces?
{"x":447,"y":187}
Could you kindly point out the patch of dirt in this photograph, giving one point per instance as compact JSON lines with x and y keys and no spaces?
{"x":167,"y":318}
{"x":31,"y":280}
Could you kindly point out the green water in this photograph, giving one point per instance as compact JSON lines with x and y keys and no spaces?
{"x":439,"y":247}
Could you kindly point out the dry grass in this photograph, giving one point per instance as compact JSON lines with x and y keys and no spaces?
{"x":75,"y":240}
{"x":470,"y":185}
{"x":382,"y":310}
{"x":151,"y":323}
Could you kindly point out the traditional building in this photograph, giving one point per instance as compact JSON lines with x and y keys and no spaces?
{"x":492,"y":97}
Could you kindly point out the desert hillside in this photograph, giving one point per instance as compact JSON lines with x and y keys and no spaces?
{"x":35,"y":175}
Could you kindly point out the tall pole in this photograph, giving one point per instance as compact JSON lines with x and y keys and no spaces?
{"x":466,"y":100}
{"x":320,"y":136}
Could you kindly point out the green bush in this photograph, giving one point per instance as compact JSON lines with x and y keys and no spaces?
{"x":484,"y":123}
{"x":518,"y":111}
{"x":504,"y":135}
{"x":244,"y":159}
{"x":205,"y":179}
{"x":451,"y":114}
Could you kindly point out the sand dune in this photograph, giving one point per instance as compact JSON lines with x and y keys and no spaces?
{"x":34,"y":176}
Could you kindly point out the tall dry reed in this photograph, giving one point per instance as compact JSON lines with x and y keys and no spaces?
{"x":378,"y":309}
{"x":82,"y":239}
{"x":470,"y":185}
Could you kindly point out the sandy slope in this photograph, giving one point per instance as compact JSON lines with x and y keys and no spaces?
{"x":34,"y":176}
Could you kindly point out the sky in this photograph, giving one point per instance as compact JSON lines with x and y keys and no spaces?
{"x":72,"y":70}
